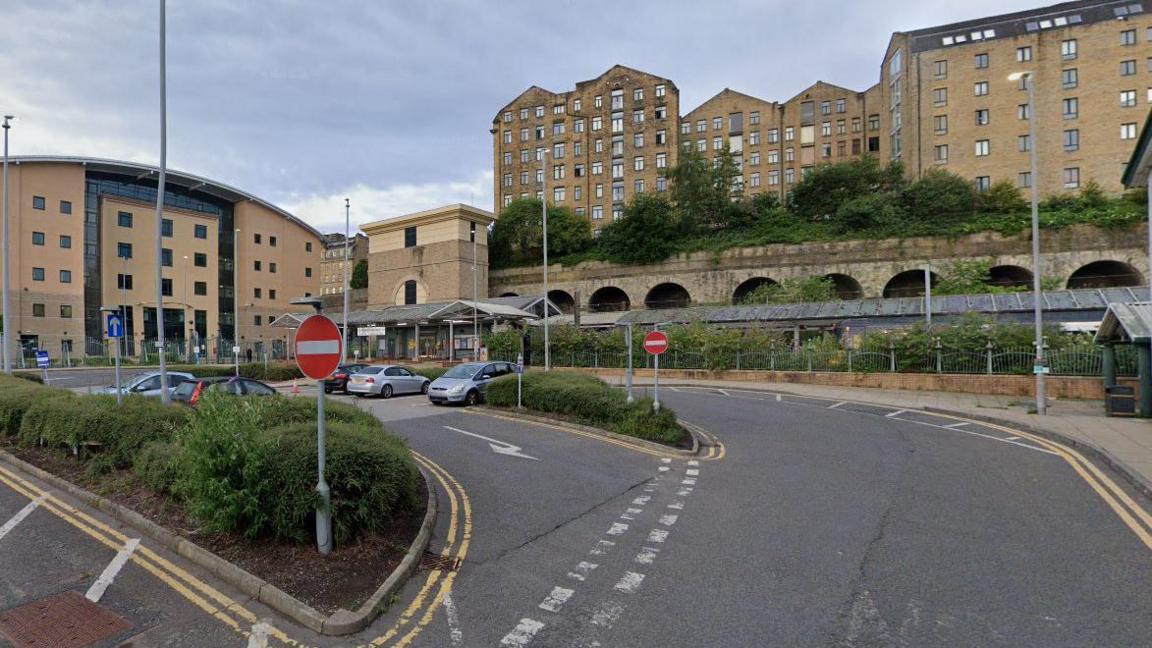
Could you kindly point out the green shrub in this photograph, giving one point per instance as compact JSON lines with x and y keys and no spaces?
{"x":31,"y":377}
{"x":275,"y":372}
{"x":589,"y":400}
{"x":284,"y":410}
{"x":17,"y":396}
{"x":428,"y":371}
{"x":156,"y":467}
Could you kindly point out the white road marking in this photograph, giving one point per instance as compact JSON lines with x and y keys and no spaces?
{"x":663,"y":468}
{"x":629,"y":583}
{"x":779,"y":398}
{"x":646,"y":556}
{"x":692,"y":472}
{"x":556,"y":599}
{"x":617,"y":528}
{"x":1012,"y":438}
{"x":454,"y":633}
{"x":631,"y":513}
{"x":669,"y":520}
{"x":601,"y":547}
{"x":895,"y":414}
{"x":665,"y":460}
{"x":657,"y":535}
{"x":258,"y":638}
{"x":582,"y":570}
{"x":723,"y":392}
{"x":693,"y":463}
{"x":606,"y":614}
{"x":979,"y":434}
{"x":956,"y":425}
{"x":20,"y":515}
{"x":641,"y":501}
{"x":113,"y":568}
{"x":522,"y":633}
{"x":684,"y":492}
{"x":688,"y":481}
{"x":679,"y":506}
{"x":835,"y":405}
{"x":499,"y":447}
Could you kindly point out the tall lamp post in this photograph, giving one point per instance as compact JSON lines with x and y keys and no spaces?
{"x":1037,"y":307}
{"x":7,"y":337}
{"x":344,"y":327}
{"x":544,"y":215}
{"x":236,"y":300}
{"x":165,"y":397}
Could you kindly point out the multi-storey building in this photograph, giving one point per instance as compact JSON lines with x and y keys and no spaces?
{"x":83,"y":236}
{"x":591,"y":148}
{"x":333,"y":266}
{"x":944,"y":100}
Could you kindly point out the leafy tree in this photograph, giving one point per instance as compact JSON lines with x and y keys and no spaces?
{"x":1092,"y":195}
{"x":821,"y":193}
{"x":793,"y":291}
{"x":359,"y":275}
{"x":640,"y":236}
{"x":703,"y":191}
{"x":939,"y":194}
{"x":870,"y":211}
{"x":517,"y":236}
{"x":1003,"y":197}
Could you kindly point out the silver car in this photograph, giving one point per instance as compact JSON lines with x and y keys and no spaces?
{"x":386,"y":380}
{"x":147,"y":384}
{"x":465,"y":383}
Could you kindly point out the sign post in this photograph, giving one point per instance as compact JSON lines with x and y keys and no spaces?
{"x":656,"y":343}
{"x":115,"y":332}
{"x":42,"y":362}
{"x":236,"y":359}
{"x":628,"y":373}
{"x":318,"y":347}
{"x":520,"y":381}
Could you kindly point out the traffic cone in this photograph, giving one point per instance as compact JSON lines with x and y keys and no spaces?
{"x":295,"y":387}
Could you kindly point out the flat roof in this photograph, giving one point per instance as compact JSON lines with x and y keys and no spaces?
{"x":469,"y":212}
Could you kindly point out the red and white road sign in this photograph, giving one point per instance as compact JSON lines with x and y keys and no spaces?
{"x":655,"y":343}
{"x":318,"y":347}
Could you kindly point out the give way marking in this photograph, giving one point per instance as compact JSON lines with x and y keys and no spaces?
{"x":499,"y":447}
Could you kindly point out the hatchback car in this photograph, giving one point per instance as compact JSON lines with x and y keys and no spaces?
{"x":147,"y":384}
{"x":338,"y":381}
{"x":465,"y":383}
{"x":386,"y":380}
{"x":189,"y":392}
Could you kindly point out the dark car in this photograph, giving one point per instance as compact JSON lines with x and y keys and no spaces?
{"x":189,"y":392}
{"x":338,"y":381}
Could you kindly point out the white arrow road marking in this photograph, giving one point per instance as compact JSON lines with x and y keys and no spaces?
{"x":453,"y":616}
{"x":20,"y":515}
{"x":499,"y":447}
{"x":113,"y":568}
{"x":522,"y":633}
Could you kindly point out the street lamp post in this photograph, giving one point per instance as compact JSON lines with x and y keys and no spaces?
{"x":544,"y":214}
{"x":187,"y":304}
{"x":164,"y":395}
{"x":344,"y":328}
{"x":1037,"y":308}
{"x":236,"y":300}
{"x":7,"y":334}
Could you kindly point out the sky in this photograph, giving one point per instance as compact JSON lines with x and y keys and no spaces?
{"x":304,"y":102}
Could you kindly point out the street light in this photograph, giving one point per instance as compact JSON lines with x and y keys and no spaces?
{"x":544,"y":213}
{"x":7,"y":336}
{"x":1040,"y":364}
{"x":236,"y":300}
{"x":164,"y":395}
{"x":344,"y":328}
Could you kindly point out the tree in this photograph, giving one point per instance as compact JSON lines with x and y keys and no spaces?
{"x":359,"y":275}
{"x":703,"y":191}
{"x":793,"y":291}
{"x":1003,"y":197}
{"x":939,"y":194}
{"x":518,"y":233}
{"x":824,"y":189}
{"x":640,"y":235}
{"x":869,"y":212}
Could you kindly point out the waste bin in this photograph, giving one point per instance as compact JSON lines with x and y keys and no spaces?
{"x":1119,"y":400}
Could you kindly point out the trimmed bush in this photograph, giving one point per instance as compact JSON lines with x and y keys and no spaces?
{"x":429,"y":372}
{"x":288,"y":411}
{"x":16,"y":396}
{"x":591,"y":401}
{"x":275,"y":372}
{"x":156,"y":467}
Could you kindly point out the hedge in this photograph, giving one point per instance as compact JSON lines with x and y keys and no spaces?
{"x":591,"y":401}
{"x":274,"y":372}
{"x":16,"y":396}
{"x":428,"y":371}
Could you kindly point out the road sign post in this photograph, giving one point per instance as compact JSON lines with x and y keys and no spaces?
{"x":318,"y":349}
{"x":628,"y":372}
{"x":520,"y":381}
{"x":115,"y":332}
{"x":656,"y":343}
{"x":42,"y":361}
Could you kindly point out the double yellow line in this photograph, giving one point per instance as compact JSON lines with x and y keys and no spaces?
{"x":420,"y":612}
{"x":216,"y":604}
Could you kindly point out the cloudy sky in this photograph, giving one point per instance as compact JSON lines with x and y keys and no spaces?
{"x":305,"y":102}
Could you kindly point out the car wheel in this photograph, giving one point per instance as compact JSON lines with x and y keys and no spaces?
{"x":472,"y":398}
{"x":386,"y":391}
{"x":424,"y":387}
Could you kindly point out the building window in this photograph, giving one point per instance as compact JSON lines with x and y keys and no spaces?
{"x":825,"y":129}
{"x":774,"y":156}
{"x":65,"y":276}
{"x":65,"y":242}
{"x":840,"y":106}
{"x":773,"y":178}
{"x":1128,"y":37}
{"x":166,"y":257}
{"x":257,"y":320}
{"x":939,"y":98}
{"x":257,"y":266}
{"x":940,"y":124}
{"x":200,"y":288}
{"x":201,"y":232}
{"x":307,"y":246}
{"x":661,"y":137}
{"x":980,"y":88}
{"x":1023,"y":143}
{"x":840,"y":130}
{"x":638,"y":163}
{"x":981,"y":61}
{"x":558,"y":194}
{"x":661,"y":160}
{"x":941,"y":153}
{"x":638,"y":140}
{"x":307,"y":273}
{"x":789,"y":176}
{"x":1128,"y":131}
{"x":37,"y":238}
{"x":754,"y":180}
{"x":257,"y":293}
{"x":617,"y":169}
{"x":123,"y":282}
{"x":124,"y":250}
{"x":789,"y":133}
{"x":717,"y":123}
{"x":166,"y":227}
{"x":855,"y":124}
{"x":825,"y":107}
{"x":701,"y":145}
{"x":982,"y":147}
{"x":1024,"y":179}
{"x":577,"y":194}
{"x":558,"y":150}
{"x":754,"y":138}
{"x":717,"y":143}
{"x":1071,"y":108}
{"x":577,"y":171}
{"x":557,"y":129}
{"x":874,"y":120}
{"x":789,"y":154}
{"x":66,"y":311}
{"x":37,"y":310}
{"x":38,"y":202}
{"x":65,"y":207}
{"x":124,"y":219}
{"x":754,"y":158}
{"x":410,"y":237}
{"x":1072,"y":140}
{"x":617,"y":192}
{"x":1069,"y":78}
{"x":1128,"y":68}
{"x":638,"y":186}
{"x":1068,"y":49}
{"x":1071,"y":177}
{"x":578,"y":126}
{"x":982,"y":117}
{"x":772,"y":135}
{"x":597,"y":212}
{"x":37,"y":274}
{"x":597,"y":168}
{"x":1023,"y":54}
{"x":1127,"y":98}
{"x":983,"y":183}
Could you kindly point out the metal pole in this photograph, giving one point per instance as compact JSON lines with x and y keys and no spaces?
{"x":236,"y":299}
{"x":475,"y":298}
{"x":324,"y":511}
{"x":656,"y":383}
{"x":7,"y":335}
{"x":119,"y":385}
{"x":628,"y":373}
{"x":164,"y":396}
{"x":1149,"y":239}
{"x":1041,"y":399}
{"x":344,"y":328}
{"x":928,"y":295}
{"x":123,"y":341}
{"x":547,"y":310}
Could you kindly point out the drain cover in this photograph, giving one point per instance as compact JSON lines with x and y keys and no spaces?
{"x":437,"y":561}
{"x":66,"y":620}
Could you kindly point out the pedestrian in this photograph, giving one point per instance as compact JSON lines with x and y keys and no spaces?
{"x":248,"y":354}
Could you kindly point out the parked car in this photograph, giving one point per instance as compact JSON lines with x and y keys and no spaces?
{"x":338,"y":381}
{"x":189,"y":392}
{"x":147,"y":384}
{"x":465,"y":383}
{"x":386,"y":380}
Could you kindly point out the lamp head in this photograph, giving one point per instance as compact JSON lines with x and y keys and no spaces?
{"x":1016,"y":76}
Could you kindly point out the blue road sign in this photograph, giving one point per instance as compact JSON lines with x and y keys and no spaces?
{"x":42,"y":360}
{"x":115,"y":326}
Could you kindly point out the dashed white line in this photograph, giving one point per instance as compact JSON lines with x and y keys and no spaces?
{"x":894,"y":414}
{"x":646,"y":555}
{"x":455,"y":635}
{"x":694,"y":463}
{"x":617,"y":528}
{"x":20,"y":515}
{"x":522,"y":633}
{"x":956,"y":425}
{"x":679,"y":506}
{"x":723,"y":392}
{"x":606,"y":614}
{"x":683,"y":492}
{"x":556,"y":599}
{"x":663,"y":468}
{"x":779,"y":398}
{"x":601,"y":547}
{"x":631,"y":514}
{"x":109,"y":574}
{"x":689,"y":481}
{"x":692,"y":472}
{"x":668,"y":520}
{"x":582,"y":570}
{"x":629,"y":583}
{"x":835,"y":405}
{"x":258,"y":637}
{"x":642,"y":500}
{"x":657,"y":535}
{"x":1012,"y":438}
{"x":665,"y":460}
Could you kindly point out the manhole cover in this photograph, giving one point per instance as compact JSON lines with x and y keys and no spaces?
{"x":67,"y":620}
{"x":437,"y":561}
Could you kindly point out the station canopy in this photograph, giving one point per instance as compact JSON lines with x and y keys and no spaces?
{"x":1126,"y":323}
{"x":497,"y":310}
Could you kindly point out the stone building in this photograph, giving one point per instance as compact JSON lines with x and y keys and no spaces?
{"x":332,"y":266}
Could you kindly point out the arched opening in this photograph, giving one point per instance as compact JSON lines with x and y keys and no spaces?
{"x":845,"y":286}
{"x":667,"y":295}
{"x":1010,"y":276}
{"x":563,"y":301}
{"x":609,"y":299}
{"x":740,"y":295}
{"x":509,"y":294}
{"x":1105,"y":274}
{"x":909,"y":283}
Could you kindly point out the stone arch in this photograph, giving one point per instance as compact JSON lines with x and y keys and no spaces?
{"x":563,"y":301}
{"x":749,"y":286}
{"x":1010,"y":276}
{"x":509,"y":294}
{"x":421,"y":290}
{"x":1105,"y":274}
{"x":667,"y":295}
{"x":846,"y":287}
{"x":909,"y":283}
{"x":609,"y":299}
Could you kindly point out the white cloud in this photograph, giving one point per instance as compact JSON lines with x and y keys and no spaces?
{"x":326,"y":212}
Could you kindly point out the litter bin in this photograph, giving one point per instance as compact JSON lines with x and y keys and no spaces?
{"x":1119,"y":400}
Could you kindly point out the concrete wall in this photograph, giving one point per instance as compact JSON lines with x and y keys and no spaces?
{"x":712,"y":278}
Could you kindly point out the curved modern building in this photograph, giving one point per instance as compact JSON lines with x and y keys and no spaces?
{"x":82,"y":234}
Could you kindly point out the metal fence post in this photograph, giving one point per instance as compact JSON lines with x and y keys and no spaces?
{"x":737,"y":359}
{"x":939,"y":357}
{"x":988,"y":349}
{"x":808,"y":352}
{"x":892,"y":356}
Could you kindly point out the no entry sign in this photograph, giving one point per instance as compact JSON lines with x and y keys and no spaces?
{"x":318,"y":346}
{"x":655,"y":343}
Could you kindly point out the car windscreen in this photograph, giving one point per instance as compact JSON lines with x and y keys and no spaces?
{"x":462,"y":371}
